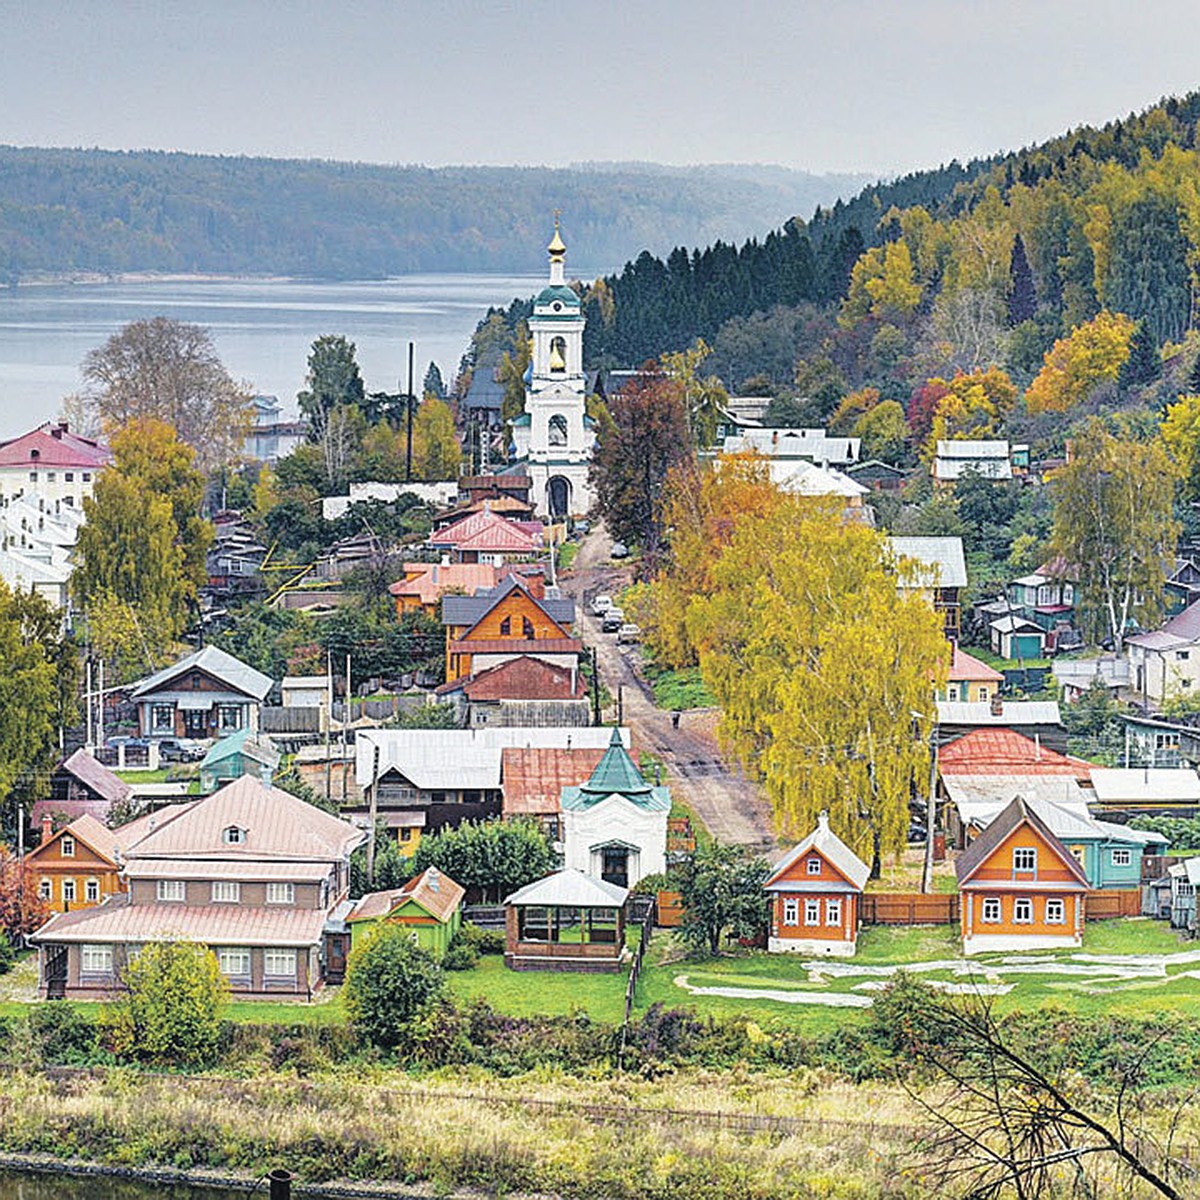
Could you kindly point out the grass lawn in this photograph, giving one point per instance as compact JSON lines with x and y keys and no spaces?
{"x":678,"y":690}
{"x":986,"y":655}
{"x":566,"y":555}
{"x":171,"y":774}
{"x":530,"y":993}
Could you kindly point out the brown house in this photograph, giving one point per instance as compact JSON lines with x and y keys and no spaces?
{"x":78,"y":867}
{"x":515,"y":618}
{"x":250,"y":871}
{"x":524,"y":691}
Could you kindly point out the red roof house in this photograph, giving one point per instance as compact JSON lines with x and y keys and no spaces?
{"x":1006,"y":752}
{"x":488,"y":533}
{"x":54,"y":446}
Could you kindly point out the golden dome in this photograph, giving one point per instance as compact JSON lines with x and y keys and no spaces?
{"x":557,"y":247}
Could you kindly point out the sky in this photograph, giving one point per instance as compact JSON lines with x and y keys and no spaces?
{"x":878,"y":86}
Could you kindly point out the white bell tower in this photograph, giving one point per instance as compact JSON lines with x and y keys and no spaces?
{"x":560,"y":438}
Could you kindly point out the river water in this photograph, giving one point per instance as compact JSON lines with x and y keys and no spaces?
{"x":263,"y":329}
{"x":17,"y":1185}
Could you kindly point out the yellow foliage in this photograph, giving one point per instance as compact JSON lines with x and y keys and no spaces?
{"x":974,"y":406}
{"x":883,"y":284}
{"x":1093,"y":354}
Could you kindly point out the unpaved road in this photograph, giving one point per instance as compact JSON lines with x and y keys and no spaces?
{"x":730,"y":805}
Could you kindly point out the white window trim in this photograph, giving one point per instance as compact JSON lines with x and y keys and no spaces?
{"x":268,"y":955}
{"x":1051,"y":904}
{"x":170,"y":891}
{"x":45,"y":888}
{"x":1022,"y":904}
{"x":66,"y":846}
{"x":289,"y":893}
{"x":791,"y":911}
{"x":229,"y":886}
{"x":1031,"y":870}
{"x":1125,"y":859}
{"x":69,"y":885}
{"x":91,"y":891}
{"x":243,"y":953}
{"x":812,"y":912}
{"x":95,"y":960}
{"x":812,"y":865}
{"x":988,"y":903}
{"x":833,"y":913}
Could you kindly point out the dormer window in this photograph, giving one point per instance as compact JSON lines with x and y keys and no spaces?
{"x":235,"y":836}
{"x":67,"y":847}
{"x":813,"y":865}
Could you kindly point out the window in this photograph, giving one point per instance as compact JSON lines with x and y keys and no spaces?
{"x":812,"y":912}
{"x":69,"y":476}
{"x":1122,"y":858}
{"x":1023,"y":911}
{"x":68,"y":886}
{"x":406,"y":834}
{"x":226,"y":891}
{"x":67,"y":846}
{"x":46,"y":889}
{"x":813,"y":865}
{"x":527,"y":629}
{"x":33,"y":477}
{"x":791,"y":911}
{"x":1185,"y":889}
{"x":87,"y":477}
{"x":49,"y":476}
{"x":1077,"y":853}
{"x":984,"y":694}
{"x":1182,"y":655}
{"x":991,"y":910}
{"x":833,"y":912}
{"x":171,"y":889}
{"x":91,"y":891}
{"x":1056,"y":912}
{"x":162,"y":718}
{"x":234,"y":836}
{"x":438,"y":798}
{"x":96,"y":960}
{"x":234,"y":961}
{"x":279,"y":964}
{"x":230,"y":716}
{"x":281,"y":893}
{"x":952,"y":692}
{"x":1025,"y":858}
{"x":506,"y":627}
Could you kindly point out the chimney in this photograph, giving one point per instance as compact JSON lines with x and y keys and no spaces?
{"x":47,"y":827}
{"x":997,"y":705}
{"x":433,"y":877}
{"x":59,"y":430}
{"x":535,"y":585}
{"x":823,"y":821}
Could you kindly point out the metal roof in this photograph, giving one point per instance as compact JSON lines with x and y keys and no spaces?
{"x":1016,"y":813}
{"x":978,"y":713}
{"x":212,"y":660}
{"x":1176,"y":785}
{"x":831,"y":847}
{"x":570,"y":889}
{"x":941,"y":561}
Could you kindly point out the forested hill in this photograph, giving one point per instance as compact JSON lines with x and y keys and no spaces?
{"x":104,"y":211}
{"x":1108,"y":218}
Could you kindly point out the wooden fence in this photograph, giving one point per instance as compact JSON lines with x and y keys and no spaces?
{"x":635,"y":972}
{"x":907,"y":908}
{"x":1104,"y":906}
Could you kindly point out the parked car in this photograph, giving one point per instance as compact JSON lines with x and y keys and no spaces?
{"x":629,"y":633}
{"x":181,"y":750}
{"x":582,"y":527}
{"x":613,"y":620}
{"x":126,"y":740}
{"x":619,"y":550}
{"x":601,"y":605}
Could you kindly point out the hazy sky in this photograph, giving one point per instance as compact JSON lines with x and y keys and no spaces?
{"x":848,"y":85}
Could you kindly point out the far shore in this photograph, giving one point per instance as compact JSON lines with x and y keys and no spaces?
{"x":85,"y":278}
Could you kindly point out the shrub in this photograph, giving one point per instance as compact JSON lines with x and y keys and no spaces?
{"x":482,"y":941}
{"x":61,"y":1033}
{"x":7,"y":957}
{"x":461,"y":956}
{"x":390,"y":982}
{"x":171,"y":1011}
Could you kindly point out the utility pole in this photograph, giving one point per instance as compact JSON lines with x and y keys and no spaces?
{"x":930,"y":811}
{"x":595,"y":689}
{"x":100,"y":709}
{"x":408,"y":404}
{"x":328,"y":725}
{"x":91,"y":741}
{"x":373,"y":813}
{"x":345,"y":722}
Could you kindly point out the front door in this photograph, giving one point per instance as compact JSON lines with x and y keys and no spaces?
{"x":56,"y":972}
{"x":195,"y":723}
{"x":615,"y":868}
{"x":335,"y":956}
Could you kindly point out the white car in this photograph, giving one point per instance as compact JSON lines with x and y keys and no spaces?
{"x":612,"y":621}
{"x":601,"y":605}
{"x":629,"y":633}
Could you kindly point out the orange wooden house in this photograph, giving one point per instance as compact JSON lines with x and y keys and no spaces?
{"x":424,"y":584}
{"x":814,"y":896}
{"x":514,"y":618}
{"x":77,"y":867}
{"x":1021,"y":887}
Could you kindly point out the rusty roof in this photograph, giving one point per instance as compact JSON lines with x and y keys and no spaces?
{"x":526,"y":678}
{"x":532,"y":779}
{"x":1004,"y":752}
{"x":518,"y":646}
{"x":433,"y":890}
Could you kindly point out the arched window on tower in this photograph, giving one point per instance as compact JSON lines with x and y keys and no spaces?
{"x":558,"y":430}
{"x":558,"y":355}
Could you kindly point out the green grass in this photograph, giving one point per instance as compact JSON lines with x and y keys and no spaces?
{"x":171,"y":774}
{"x":566,"y":555}
{"x":986,"y":655}
{"x":546,"y":993}
{"x":678,"y":690}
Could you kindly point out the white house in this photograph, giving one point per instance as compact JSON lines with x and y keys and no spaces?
{"x":955,"y":457}
{"x":1165,"y":663}
{"x":615,"y":824}
{"x":795,"y":445}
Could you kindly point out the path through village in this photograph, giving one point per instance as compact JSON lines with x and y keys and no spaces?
{"x":731,"y":806}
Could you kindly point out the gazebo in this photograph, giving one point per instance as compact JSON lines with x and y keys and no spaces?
{"x":567,"y":921}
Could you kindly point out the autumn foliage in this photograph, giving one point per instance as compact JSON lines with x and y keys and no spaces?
{"x":1093,"y":354}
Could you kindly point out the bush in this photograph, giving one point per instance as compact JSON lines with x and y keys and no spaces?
{"x":461,"y":956}
{"x":390,"y":982}
{"x":7,"y":956}
{"x":482,"y":941}
{"x":171,"y":1011}
{"x":61,"y":1033}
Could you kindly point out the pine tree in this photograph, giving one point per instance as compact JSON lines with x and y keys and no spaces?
{"x":1194,"y":378}
{"x":1144,"y":364}
{"x":434,"y":384}
{"x":1022,"y":297}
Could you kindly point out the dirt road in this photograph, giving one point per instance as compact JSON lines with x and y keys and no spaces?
{"x":731,"y":806}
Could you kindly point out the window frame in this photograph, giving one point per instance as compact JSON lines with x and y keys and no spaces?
{"x":833,"y":911}
{"x":1054,"y":903}
{"x":170,"y":891}
{"x":277,"y":953}
{"x":94,"y":951}
{"x":1023,"y":904}
{"x":230,"y":886}
{"x":791,"y":910}
{"x":1125,"y":859}
{"x":1019,"y":853}
{"x":274,"y":890}
{"x":244,"y":955}
{"x":68,"y":883}
{"x":991,"y":904}
{"x":45,"y":888}
{"x":812,"y":913}
{"x":91,"y":891}
{"x":66,"y":846}
{"x":812,"y":864}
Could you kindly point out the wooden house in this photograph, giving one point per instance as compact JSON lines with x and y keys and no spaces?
{"x":534,"y":778}
{"x":424,"y":584}
{"x":429,"y":906}
{"x":1021,"y":888}
{"x":521,"y":691}
{"x":815,"y":890}
{"x":567,"y":921}
{"x":515,"y":618}
{"x":77,"y":867}
{"x":969,"y":679}
{"x":939,"y":573}
{"x":487,"y":537}
{"x":80,"y":784}
{"x":1184,"y":877}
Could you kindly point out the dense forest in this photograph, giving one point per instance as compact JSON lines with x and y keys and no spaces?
{"x":110,"y":212}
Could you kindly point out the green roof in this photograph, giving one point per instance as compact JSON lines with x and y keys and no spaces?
{"x":616,"y":775}
{"x":558,"y":291}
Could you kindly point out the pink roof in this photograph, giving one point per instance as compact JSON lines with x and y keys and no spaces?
{"x":1006,"y":752}
{"x":53,"y":445}
{"x":966,"y":667}
{"x":434,"y":891}
{"x":427,"y":582}
{"x":489,"y":533}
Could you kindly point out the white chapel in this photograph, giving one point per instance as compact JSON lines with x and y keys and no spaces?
{"x":554,"y":435}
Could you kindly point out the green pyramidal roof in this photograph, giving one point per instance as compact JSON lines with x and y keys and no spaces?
{"x":616,"y":773}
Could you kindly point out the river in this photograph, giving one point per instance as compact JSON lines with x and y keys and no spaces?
{"x":263,"y":329}
{"x":19,"y":1185}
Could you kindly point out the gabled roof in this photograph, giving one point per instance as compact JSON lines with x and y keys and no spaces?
{"x":470,"y":610}
{"x":533,"y":778}
{"x":835,"y":852}
{"x":428,"y":582}
{"x":128,"y":835}
{"x":236,"y":675}
{"x":86,"y":829}
{"x":980,"y":714}
{"x":434,"y":891}
{"x":95,"y":775}
{"x":276,"y":825}
{"x":966,"y":667}
{"x":522,"y":678}
{"x":1017,"y":813}
{"x":570,"y":889}
{"x":1138,"y":785}
{"x":54,"y":445}
{"x":1182,"y":629}
{"x":247,"y":743}
{"x":534,"y":646}
{"x":616,"y":774}
{"x":940,"y":560}
{"x":489,"y":533}
{"x":1006,"y":752}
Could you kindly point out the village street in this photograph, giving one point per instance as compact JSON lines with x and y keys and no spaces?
{"x":732,"y":807}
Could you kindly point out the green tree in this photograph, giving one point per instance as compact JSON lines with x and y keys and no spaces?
{"x":436,"y":451}
{"x":1022,"y":295}
{"x":170,"y":1014}
{"x":434,"y":385}
{"x":721,"y":888}
{"x":169,"y":371}
{"x":1113,"y":519}
{"x":390,"y":982}
{"x":333,"y":381}
{"x":884,"y":432}
{"x":1144,"y":364}
{"x":704,"y":396}
{"x":494,"y":858}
